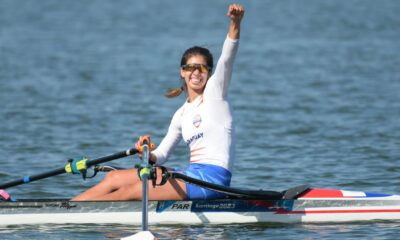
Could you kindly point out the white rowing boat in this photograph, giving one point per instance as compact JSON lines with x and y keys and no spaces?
{"x":296,"y":205}
{"x":311,"y":206}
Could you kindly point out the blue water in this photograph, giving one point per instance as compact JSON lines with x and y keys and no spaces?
{"x":315,"y":91}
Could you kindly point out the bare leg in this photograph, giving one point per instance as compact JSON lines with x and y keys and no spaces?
{"x":112,"y":182}
{"x":172,"y":190}
{"x":126,"y":185}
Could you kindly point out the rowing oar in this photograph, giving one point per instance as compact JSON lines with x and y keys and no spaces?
{"x":145,"y":173}
{"x":71,"y":167}
{"x":240,"y":193}
{"x":229,"y":191}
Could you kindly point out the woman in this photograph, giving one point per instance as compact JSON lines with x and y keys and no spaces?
{"x":204,"y":122}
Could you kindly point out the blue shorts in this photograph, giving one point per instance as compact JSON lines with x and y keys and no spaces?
{"x":208,"y":173}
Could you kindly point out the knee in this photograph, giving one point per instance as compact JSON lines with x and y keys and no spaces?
{"x":114,"y":179}
{"x":111,"y":176}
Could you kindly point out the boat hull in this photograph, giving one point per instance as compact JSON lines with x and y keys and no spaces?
{"x":315,"y":206}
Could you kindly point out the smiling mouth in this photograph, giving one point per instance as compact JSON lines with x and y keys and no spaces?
{"x":196,"y":80}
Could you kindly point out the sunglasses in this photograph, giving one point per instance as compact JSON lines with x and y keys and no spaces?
{"x":192,"y":67}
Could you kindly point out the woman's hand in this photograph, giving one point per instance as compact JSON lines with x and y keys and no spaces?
{"x":235,"y":13}
{"x":139,"y":144}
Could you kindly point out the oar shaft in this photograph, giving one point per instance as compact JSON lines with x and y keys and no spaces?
{"x":114,"y":156}
{"x":59,"y":171}
{"x":234,"y":192}
{"x":32,"y":178}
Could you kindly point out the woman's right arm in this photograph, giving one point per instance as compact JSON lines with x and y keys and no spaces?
{"x":169,"y":142}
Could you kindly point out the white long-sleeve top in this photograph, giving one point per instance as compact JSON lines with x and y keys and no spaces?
{"x":206,"y":124}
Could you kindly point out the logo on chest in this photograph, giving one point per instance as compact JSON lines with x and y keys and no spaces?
{"x":197,"y":120}
{"x":193,"y":138}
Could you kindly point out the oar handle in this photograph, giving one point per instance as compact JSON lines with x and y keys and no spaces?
{"x":59,"y":171}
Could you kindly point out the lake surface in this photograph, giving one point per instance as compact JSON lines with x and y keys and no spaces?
{"x":315,"y":93}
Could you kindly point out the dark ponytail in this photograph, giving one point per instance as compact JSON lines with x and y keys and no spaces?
{"x":174,"y":92}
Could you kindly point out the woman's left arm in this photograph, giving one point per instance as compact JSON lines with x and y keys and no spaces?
{"x":218,"y":83}
{"x":235,"y":13}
